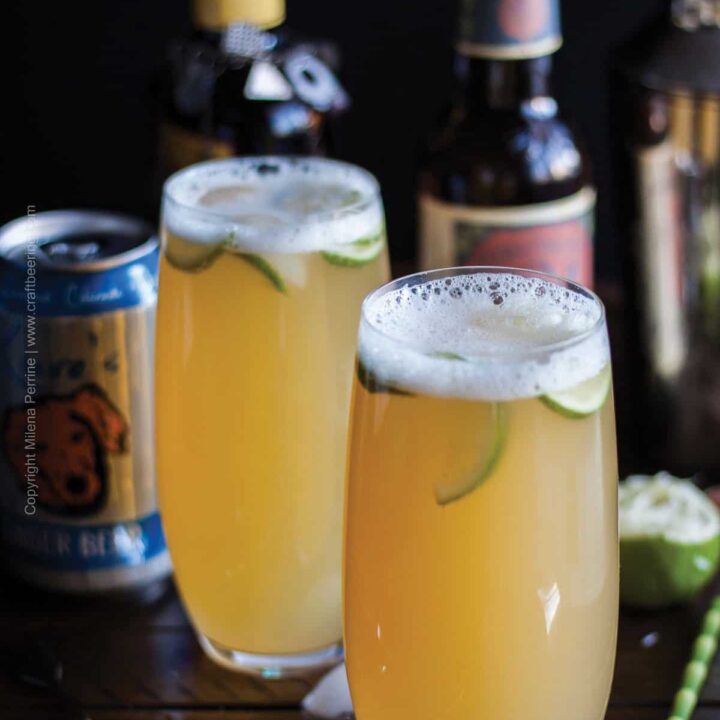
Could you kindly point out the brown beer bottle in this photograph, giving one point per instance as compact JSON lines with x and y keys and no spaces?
{"x":506,"y":181}
{"x":242,"y":83}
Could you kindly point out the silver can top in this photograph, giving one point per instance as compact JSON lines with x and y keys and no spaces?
{"x":77,"y":240}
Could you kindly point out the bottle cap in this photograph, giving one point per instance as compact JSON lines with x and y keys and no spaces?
{"x":509,"y":29}
{"x":218,"y":14}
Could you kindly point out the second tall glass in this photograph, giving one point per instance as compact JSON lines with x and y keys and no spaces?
{"x":481,"y":576}
{"x":265,"y":263}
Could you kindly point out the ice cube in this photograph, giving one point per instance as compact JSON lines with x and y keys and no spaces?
{"x":331,"y":696}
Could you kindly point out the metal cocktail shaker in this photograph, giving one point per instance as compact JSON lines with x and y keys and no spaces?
{"x":671,"y":116}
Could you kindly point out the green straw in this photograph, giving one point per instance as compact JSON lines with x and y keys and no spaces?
{"x":696,"y":670}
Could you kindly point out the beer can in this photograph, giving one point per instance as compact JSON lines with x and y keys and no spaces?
{"x":78,"y":291}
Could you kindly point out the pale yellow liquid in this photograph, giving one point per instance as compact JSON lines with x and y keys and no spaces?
{"x":253,"y":391}
{"x":501,"y":605}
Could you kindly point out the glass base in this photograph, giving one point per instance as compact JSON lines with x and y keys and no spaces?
{"x":271,"y":667}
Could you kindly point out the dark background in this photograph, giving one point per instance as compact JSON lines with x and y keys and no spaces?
{"x":79,"y":116}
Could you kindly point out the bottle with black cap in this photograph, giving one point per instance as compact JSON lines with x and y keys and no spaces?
{"x":506,"y":180}
{"x":243,"y":84}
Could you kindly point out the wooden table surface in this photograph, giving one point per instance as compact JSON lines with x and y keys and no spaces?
{"x":123,"y":661}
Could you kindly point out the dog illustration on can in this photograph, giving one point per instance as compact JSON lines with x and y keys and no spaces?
{"x":73,"y":435}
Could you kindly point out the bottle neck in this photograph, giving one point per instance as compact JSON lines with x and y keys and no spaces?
{"x":490,"y":84}
{"x":508,"y":29}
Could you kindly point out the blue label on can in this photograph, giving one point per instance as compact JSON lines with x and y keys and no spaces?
{"x":509,"y":29}
{"x":56,"y":293}
{"x":83,"y":547}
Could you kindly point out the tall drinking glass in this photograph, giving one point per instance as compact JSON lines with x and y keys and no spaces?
{"x":265,"y":262}
{"x":481,"y":575}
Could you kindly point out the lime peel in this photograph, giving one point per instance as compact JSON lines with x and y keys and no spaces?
{"x":441,"y":355}
{"x":449,"y":493}
{"x":373,"y":385}
{"x":261,"y":264}
{"x":582,"y":400}
{"x":356,"y":254}
{"x":189,"y":256}
{"x":196,"y":256}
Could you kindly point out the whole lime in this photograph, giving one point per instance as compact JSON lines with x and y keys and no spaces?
{"x":669,"y":540}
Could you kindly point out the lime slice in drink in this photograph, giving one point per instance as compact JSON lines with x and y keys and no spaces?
{"x":261,"y":264}
{"x":442,"y":355}
{"x":490,"y":447}
{"x":669,"y":540}
{"x":191,"y":256}
{"x":372,"y":384}
{"x":583,"y":399}
{"x":356,"y":254}
{"x":197,"y":256}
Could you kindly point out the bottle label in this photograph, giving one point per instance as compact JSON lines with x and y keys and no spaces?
{"x":509,"y":29}
{"x":180,"y":147}
{"x":553,"y":237}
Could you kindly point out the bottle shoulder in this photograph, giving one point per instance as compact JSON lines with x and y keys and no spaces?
{"x":205,"y":92}
{"x":525,"y":155}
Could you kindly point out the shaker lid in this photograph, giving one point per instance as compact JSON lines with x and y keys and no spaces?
{"x":680,"y":57}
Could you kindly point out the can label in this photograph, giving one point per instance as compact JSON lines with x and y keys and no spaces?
{"x":76,"y":423}
{"x":85,"y":547}
{"x":71,"y":294}
{"x":554,"y":237}
{"x":509,"y":29}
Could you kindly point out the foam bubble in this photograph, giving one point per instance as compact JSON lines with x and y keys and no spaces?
{"x":490,"y":336}
{"x":273,"y":204}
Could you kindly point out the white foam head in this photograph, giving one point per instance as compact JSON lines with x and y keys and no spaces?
{"x":273,"y":204}
{"x":486,"y":333}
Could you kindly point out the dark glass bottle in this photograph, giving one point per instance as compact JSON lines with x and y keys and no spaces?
{"x":668,"y":115}
{"x":243,"y":84}
{"x":506,"y":181}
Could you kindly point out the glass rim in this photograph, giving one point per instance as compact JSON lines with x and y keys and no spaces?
{"x":599,"y":325}
{"x":366,"y":201}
